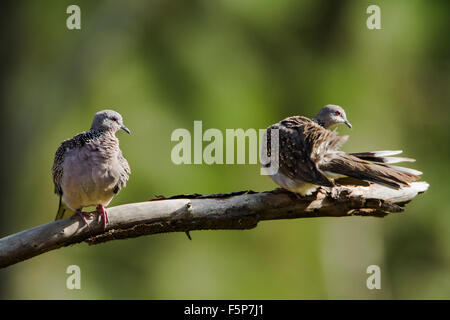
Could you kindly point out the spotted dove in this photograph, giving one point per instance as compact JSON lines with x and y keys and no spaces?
{"x":89,"y":169}
{"x":309,"y":156}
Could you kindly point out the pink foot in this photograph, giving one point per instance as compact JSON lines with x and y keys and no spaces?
{"x":80,"y":213}
{"x":102,"y":211}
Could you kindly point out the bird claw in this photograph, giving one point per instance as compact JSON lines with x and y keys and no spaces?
{"x":103,"y":214}
{"x":81,"y":214}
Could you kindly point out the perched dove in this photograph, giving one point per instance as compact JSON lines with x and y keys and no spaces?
{"x":309,"y":156}
{"x":89,"y":169}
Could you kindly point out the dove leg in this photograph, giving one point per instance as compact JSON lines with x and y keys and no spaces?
{"x":104,"y":214}
{"x":80,"y":213}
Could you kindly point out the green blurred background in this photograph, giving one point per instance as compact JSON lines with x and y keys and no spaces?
{"x":232,"y":64}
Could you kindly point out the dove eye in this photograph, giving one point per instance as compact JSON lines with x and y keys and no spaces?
{"x":338,"y":113}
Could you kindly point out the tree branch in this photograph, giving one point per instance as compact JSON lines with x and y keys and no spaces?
{"x":237,"y":210}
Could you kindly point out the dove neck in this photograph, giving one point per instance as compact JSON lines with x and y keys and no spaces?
{"x":321,"y":123}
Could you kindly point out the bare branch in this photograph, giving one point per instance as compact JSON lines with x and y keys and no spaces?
{"x":238,"y":210}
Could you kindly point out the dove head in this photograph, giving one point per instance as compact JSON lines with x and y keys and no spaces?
{"x":108,"y":120}
{"x":331,"y":115}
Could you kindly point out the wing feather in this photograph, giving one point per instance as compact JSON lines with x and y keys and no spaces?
{"x":303,"y":143}
{"x":77,"y":141}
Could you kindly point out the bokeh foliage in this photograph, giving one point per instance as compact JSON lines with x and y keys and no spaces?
{"x":232,"y":64}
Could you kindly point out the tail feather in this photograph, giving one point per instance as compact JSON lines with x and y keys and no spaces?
{"x":397,"y":159}
{"x":384,"y":153}
{"x":382,"y":156}
{"x":356,"y":167}
{"x":61,"y":210}
{"x":407,"y":170}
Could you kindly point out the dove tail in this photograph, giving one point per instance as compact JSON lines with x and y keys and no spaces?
{"x":385,"y":157}
{"x":372,"y":167}
{"x":61,"y":210}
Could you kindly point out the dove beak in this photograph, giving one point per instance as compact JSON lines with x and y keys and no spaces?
{"x":125,"y":129}
{"x":348,"y":124}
